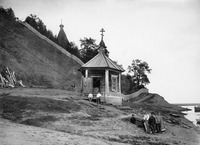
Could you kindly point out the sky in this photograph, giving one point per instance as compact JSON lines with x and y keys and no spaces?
{"x":164,"y":33}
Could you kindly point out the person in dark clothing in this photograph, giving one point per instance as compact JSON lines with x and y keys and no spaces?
{"x":133,"y":119}
{"x":158,"y":122}
{"x":152,"y":123}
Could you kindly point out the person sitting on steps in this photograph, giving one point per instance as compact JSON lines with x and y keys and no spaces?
{"x":98,"y":97}
{"x":90,"y":97}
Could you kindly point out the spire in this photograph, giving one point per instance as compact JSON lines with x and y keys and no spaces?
{"x":61,"y":25}
{"x":62,"y":38}
{"x":102,"y":46}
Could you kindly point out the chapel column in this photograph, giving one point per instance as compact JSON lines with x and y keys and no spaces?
{"x":106,"y":81}
{"x":119,"y":82}
{"x":86,"y":73}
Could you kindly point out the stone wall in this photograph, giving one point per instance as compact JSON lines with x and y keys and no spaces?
{"x":52,"y":43}
{"x":114,"y":100}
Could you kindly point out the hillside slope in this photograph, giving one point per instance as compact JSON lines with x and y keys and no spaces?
{"x":153,"y":101}
{"x":150,"y":98}
{"x":34,"y":60}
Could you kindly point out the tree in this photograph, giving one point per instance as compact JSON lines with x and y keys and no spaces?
{"x":74,"y":49}
{"x":88,"y":49}
{"x":125,"y":83}
{"x":32,"y":20}
{"x":7,"y":13}
{"x":139,"y":69}
{"x":11,"y":14}
{"x":41,"y":27}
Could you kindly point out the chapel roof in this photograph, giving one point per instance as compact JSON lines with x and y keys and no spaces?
{"x":101,"y":60}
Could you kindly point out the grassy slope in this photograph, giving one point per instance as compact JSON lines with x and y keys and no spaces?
{"x":34,"y":60}
{"x":153,"y":102}
{"x":38,"y":110}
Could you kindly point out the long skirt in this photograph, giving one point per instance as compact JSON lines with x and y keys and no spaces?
{"x":152,"y":128}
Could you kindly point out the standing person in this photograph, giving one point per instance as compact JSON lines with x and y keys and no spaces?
{"x":90,"y":97}
{"x":152,"y":122}
{"x":98,"y":97}
{"x":158,"y":122}
{"x":146,"y":124}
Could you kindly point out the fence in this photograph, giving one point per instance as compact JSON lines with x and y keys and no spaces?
{"x":133,"y":95}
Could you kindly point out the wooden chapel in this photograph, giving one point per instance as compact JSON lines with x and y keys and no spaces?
{"x":103,"y":75}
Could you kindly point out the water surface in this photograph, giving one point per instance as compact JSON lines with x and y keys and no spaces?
{"x":191,"y":115}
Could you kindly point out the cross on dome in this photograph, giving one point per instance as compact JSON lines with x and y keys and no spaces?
{"x":102,"y":30}
{"x":61,"y":25}
{"x":102,"y":46}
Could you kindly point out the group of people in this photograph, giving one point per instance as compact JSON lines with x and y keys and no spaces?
{"x":98,"y":97}
{"x":153,"y":123}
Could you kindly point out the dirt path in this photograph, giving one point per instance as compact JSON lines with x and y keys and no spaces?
{"x":16,"y":134}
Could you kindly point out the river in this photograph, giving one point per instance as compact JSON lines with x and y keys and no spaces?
{"x":191,"y":115}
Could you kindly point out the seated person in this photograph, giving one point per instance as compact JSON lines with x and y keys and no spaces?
{"x":98,"y":97}
{"x":133,"y":119}
{"x":90,"y":97}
